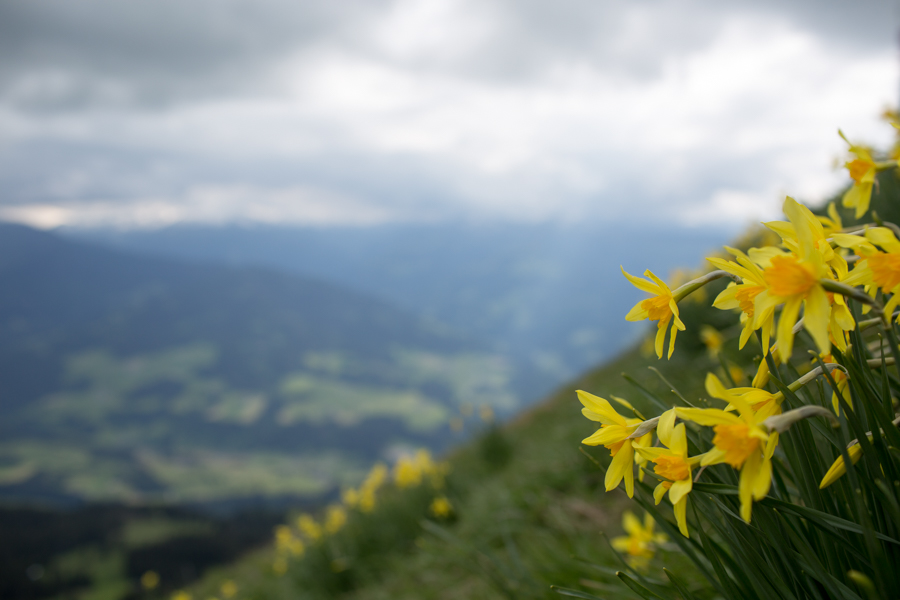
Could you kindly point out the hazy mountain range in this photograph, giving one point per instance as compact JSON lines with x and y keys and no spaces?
{"x":221,"y":365}
{"x":133,"y":378}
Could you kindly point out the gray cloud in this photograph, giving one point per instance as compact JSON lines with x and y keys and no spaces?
{"x":64,"y":55}
{"x":429,"y":109}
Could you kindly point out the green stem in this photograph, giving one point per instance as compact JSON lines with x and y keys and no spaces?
{"x":854,"y":293}
{"x":695,"y":284}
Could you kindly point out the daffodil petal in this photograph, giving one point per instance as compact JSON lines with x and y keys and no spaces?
{"x":680,"y":489}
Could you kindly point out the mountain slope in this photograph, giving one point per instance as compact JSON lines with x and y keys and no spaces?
{"x":124,"y":377}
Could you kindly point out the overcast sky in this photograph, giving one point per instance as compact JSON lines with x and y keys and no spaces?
{"x":149,"y":113}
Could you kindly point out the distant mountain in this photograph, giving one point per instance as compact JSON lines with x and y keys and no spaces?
{"x":134,"y":378}
{"x":549,"y":295}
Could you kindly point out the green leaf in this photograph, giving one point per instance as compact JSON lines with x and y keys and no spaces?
{"x":824,"y":519}
{"x":573,"y":593}
{"x":638,"y":588}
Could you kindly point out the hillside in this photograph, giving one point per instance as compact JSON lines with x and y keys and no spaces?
{"x":529,"y":510}
{"x":132,"y":378}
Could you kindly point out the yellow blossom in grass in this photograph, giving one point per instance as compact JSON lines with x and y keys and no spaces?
{"x":838,"y":469}
{"x":335,"y":518}
{"x":350,"y":497}
{"x":228,"y":589}
{"x":661,"y":307}
{"x":373,"y":481}
{"x":675,"y":465}
{"x":740,"y":441}
{"x":309,"y":527}
{"x":614,"y":435}
{"x":283,"y":537}
{"x":862,"y":171}
{"x":736,"y":373}
{"x":150,"y":580}
{"x":440,"y":507}
{"x":793,"y":280}
{"x":712,"y":339}
{"x":641,"y":542}
{"x":407,"y":472}
{"x":181,"y":595}
{"x":743,"y":296}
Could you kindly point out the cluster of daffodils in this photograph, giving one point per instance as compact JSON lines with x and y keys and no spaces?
{"x":409,"y":471}
{"x":803,"y":280}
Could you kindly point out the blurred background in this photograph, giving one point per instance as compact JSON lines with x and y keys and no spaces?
{"x":249,"y":248}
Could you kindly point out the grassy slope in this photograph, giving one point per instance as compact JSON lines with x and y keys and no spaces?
{"x":519,"y":523}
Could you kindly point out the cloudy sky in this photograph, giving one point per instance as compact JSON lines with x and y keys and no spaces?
{"x":145,"y":114}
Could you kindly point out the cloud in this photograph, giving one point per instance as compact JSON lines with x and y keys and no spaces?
{"x":428,"y":110}
{"x":210,"y":205}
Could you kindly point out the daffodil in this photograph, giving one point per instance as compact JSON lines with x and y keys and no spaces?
{"x":228,"y":588}
{"x":712,"y":339}
{"x":832,"y":223}
{"x":641,"y":542}
{"x":881,"y":270}
{"x":794,"y":280}
{"x":661,"y":308}
{"x":843,"y":385}
{"x":150,"y":580}
{"x":838,"y":468}
{"x":743,"y":296}
{"x":862,"y":171}
{"x":335,"y":518}
{"x":309,"y":527}
{"x":440,"y":507}
{"x":675,"y":465}
{"x":615,"y":435}
{"x":740,"y":440}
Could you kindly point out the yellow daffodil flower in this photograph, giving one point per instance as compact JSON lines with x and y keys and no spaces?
{"x":862,"y":171}
{"x":335,"y":518}
{"x":150,"y":580}
{"x":228,"y":589}
{"x":614,"y":435}
{"x":641,"y":542}
{"x":440,"y":507}
{"x":309,"y":527}
{"x":712,"y":339}
{"x":661,"y":307}
{"x":760,"y":401}
{"x":740,"y":440}
{"x":831,"y":224}
{"x":743,"y":296}
{"x":843,"y":384}
{"x":881,"y":270}
{"x":793,"y":280}
{"x":674,"y":464}
{"x":350,"y":497}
